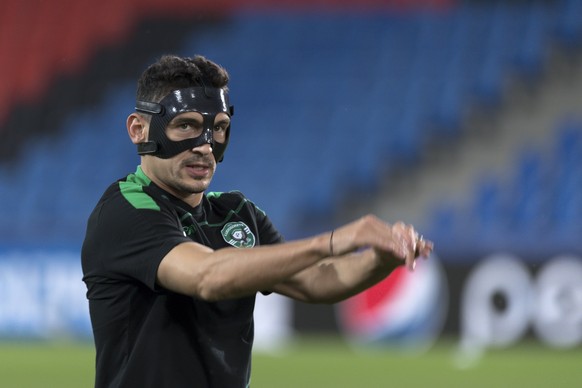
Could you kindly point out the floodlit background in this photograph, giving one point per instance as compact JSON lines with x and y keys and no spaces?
{"x":463,"y":118}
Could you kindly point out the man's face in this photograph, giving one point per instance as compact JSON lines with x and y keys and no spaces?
{"x":191,"y":171}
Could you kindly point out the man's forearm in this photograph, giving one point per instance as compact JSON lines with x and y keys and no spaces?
{"x":234,"y":272}
{"x":335,"y":279}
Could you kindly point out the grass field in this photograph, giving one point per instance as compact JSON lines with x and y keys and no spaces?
{"x":320,"y":362}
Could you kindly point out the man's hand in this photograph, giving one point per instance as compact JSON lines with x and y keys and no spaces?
{"x":393,"y":243}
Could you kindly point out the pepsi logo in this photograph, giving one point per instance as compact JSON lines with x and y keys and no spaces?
{"x":407,"y":309}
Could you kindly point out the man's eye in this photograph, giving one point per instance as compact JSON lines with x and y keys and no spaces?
{"x":187,"y":127}
{"x":221,"y":127}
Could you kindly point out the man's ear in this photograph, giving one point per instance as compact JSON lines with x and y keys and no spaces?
{"x":137,"y":128}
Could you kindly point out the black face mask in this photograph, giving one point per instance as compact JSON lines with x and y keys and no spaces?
{"x":207,"y":101}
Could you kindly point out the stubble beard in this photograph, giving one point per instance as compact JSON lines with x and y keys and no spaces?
{"x":181,"y":185}
{"x":186,"y":184}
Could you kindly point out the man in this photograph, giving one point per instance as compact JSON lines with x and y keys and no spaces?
{"x":172,"y":271}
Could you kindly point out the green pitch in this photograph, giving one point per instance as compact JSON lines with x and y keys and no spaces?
{"x":321,"y":363}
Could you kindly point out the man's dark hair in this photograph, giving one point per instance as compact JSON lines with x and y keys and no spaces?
{"x":171,"y":72}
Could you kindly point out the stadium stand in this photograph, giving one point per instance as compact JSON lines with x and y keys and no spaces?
{"x":537,"y":209}
{"x":333,"y":101}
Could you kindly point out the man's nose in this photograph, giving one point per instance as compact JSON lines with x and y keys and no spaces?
{"x":205,"y":148}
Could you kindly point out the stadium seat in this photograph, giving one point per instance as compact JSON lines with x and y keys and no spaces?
{"x":568,"y":29}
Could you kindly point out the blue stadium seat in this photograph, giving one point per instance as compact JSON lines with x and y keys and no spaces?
{"x":566,"y":206}
{"x":531,"y":54}
{"x":568,"y":29}
{"x":487,"y":214}
{"x":528,"y":202}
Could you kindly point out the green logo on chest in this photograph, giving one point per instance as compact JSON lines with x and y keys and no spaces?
{"x":238,"y":234}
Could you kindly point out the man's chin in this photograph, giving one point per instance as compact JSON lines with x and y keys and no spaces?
{"x":199,"y":186}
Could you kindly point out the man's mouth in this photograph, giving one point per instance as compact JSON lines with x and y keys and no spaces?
{"x":198,"y":170}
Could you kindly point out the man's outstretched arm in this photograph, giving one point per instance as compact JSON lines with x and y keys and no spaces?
{"x":337,"y":278}
{"x":195,"y":270}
